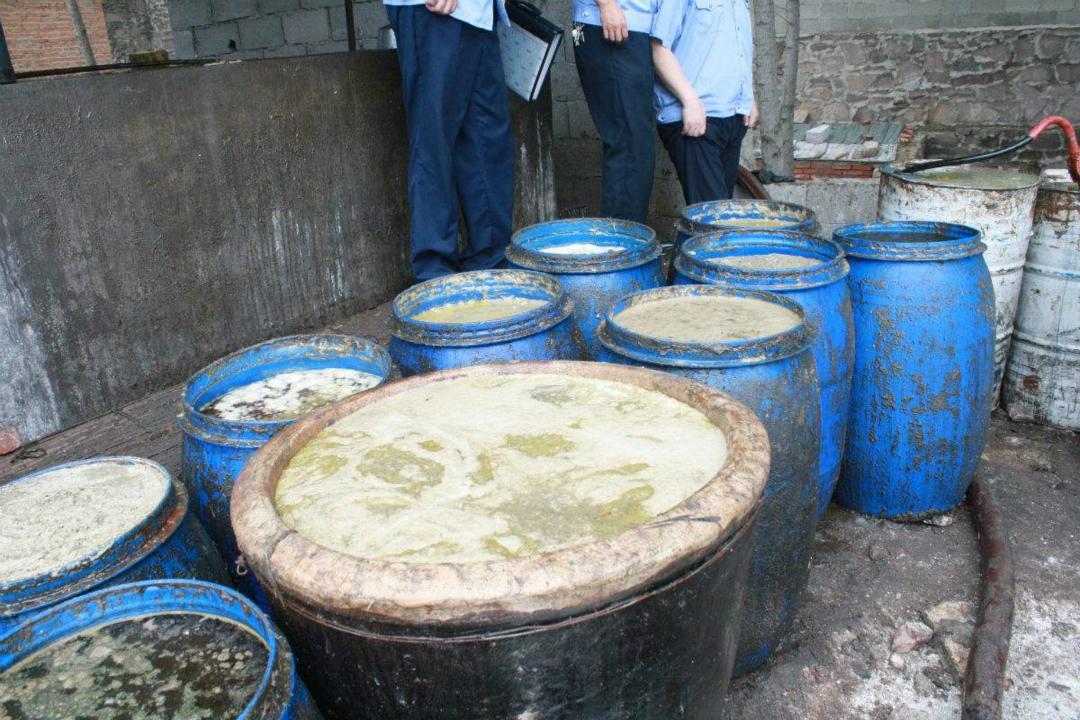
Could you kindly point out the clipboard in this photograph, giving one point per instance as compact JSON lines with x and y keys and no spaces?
{"x":528,"y":46}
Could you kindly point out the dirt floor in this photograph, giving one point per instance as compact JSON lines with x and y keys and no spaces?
{"x":886,"y":620}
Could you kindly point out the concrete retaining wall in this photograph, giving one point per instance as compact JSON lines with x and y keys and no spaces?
{"x":151,"y":221}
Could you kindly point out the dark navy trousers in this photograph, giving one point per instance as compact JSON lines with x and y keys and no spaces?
{"x":707,"y":166}
{"x":617,"y":79}
{"x":461,"y":150}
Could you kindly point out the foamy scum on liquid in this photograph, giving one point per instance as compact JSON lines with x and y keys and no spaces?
{"x":486,"y":310}
{"x":582,"y":248}
{"x":484,"y":468}
{"x":289,"y":395}
{"x":707,"y":318}
{"x":179,"y":665}
{"x":767,"y":261}
{"x":54,"y":520}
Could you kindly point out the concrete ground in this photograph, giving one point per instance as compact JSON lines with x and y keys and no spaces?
{"x":874,"y":585}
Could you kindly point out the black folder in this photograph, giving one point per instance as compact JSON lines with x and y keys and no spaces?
{"x":529,"y":46}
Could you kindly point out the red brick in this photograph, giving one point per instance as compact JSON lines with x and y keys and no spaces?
{"x":41,"y":35}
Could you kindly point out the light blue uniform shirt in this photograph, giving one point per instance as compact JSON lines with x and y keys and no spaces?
{"x":713,"y":42}
{"x":639,"y":13}
{"x":478,"y":13}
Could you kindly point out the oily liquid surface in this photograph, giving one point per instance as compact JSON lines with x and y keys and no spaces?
{"x":767,"y":261}
{"x":289,"y":395}
{"x":582,"y":248}
{"x":474,"y":311}
{"x":170,"y":666}
{"x":980,"y":178}
{"x":706,"y":318}
{"x":487,"y":468}
{"x":63,"y":517}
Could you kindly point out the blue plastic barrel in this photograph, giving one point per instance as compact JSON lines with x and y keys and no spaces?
{"x":597,"y":260}
{"x":215,"y":450}
{"x":744,"y":214}
{"x":774,"y":376}
{"x":280,"y":693}
{"x":819,"y":289}
{"x":923,"y":382}
{"x":543,"y":332}
{"x":167,"y":542}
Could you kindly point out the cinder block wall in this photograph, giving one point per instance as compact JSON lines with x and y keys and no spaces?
{"x":247,"y":29}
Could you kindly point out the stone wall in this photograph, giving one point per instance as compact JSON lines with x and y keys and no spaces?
{"x":963,"y":90}
{"x":247,"y":29}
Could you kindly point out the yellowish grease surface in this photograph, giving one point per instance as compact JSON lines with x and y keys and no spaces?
{"x":707,"y":318}
{"x":289,"y":395}
{"x":487,"y":468}
{"x":69,"y":514}
{"x":767,"y":261}
{"x":486,"y":310}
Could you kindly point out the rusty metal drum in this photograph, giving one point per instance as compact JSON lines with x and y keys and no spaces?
{"x":998,"y":203}
{"x":1042,"y":382}
{"x":638,"y":620}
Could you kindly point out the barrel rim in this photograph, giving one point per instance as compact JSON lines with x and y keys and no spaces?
{"x":522,"y":252}
{"x":832,"y":268}
{"x":1064,"y":187}
{"x":956,"y":241}
{"x":551,"y":585}
{"x":669,"y":353}
{"x":892,"y":171}
{"x":90,"y":570}
{"x":253,"y":433}
{"x":696,"y":226}
{"x":157,"y":597}
{"x":471,"y":334}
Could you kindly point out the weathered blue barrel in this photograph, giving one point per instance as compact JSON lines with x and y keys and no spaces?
{"x":483,"y":316}
{"x":773,"y":373}
{"x":31,"y":656}
{"x":215,"y":449}
{"x":744,"y":214}
{"x":597,"y":260}
{"x":811,"y":272}
{"x":923,"y":383}
{"x":68,"y":529}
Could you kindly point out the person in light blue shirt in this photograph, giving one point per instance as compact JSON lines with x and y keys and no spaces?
{"x":614,"y":63}
{"x":703,"y":51}
{"x":460,"y":144}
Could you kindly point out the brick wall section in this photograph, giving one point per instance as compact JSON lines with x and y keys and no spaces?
{"x":246,"y":29}
{"x":40,"y":34}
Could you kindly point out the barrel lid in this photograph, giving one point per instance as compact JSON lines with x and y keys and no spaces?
{"x":967,"y":177}
{"x":66,"y":528}
{"x":504,"y":592}
{"x":705,"y":326}
{"x":583,"y":246}
{"x":748,"y":213}
{"x":909,"y":241}
{"x":714,"y":258}
{"x":140,"y":600}
{"x":479,"y":286}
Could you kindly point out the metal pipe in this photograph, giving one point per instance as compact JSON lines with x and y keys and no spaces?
{"x":984,"y":683}
{"x":80,"y":32}
{"x":350,"y":25}
{"x":7,"y":71}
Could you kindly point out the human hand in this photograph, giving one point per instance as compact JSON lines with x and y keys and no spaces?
{"x":693,"y":118}
{"x":441,"y":7}
{"x":751,"y":120}
{"x":613,"y":21}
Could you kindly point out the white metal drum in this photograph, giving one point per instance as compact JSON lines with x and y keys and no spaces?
{"x":1043,"y":379}
{"x":997,"y":202}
